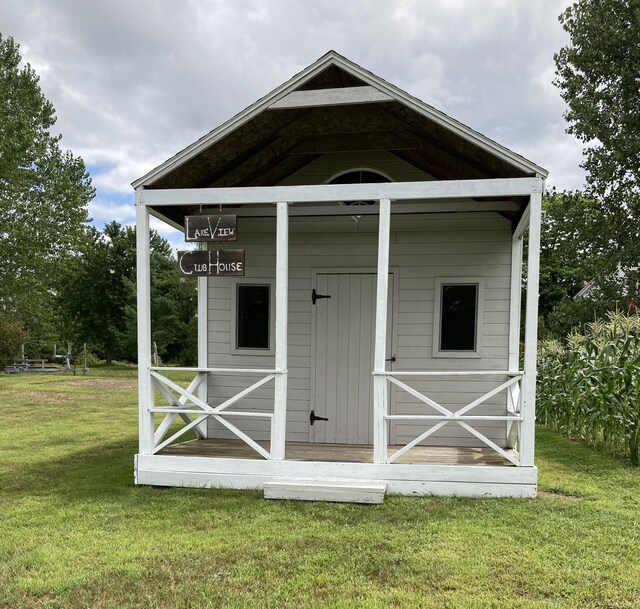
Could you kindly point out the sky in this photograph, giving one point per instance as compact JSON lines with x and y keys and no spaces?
{"x":135,"y":81}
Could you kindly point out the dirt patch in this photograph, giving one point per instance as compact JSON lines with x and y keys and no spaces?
{"x":113,"y":384}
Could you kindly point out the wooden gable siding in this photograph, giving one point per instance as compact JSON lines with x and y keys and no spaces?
{"x":323,"y":168}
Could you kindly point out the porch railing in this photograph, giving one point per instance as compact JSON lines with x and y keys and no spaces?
{"x":461,"y":416}
{"x":184,"y":403}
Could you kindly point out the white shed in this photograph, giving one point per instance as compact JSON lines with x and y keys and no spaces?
{"x":373,"y":343}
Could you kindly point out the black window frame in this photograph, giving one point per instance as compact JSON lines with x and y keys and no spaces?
{"x":238,"y":317}
{"x":442,"y":282}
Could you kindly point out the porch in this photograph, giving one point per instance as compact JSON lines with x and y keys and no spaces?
{"x":426,"y":470}
{"x":249,"y":462}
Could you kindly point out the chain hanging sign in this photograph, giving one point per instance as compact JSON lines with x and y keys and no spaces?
{"x":211,"y":228}
{"x":211,"y":263}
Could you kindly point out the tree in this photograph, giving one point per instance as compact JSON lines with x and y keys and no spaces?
{"x":44,"y":192}
{"x":571,"y":253}
{"x":12,"y":337}
{"x":598,"y":77}
{"x":98,"y":288}
{"x":98,"y":298}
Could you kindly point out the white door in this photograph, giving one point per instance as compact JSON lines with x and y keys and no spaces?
{"x":344,"y":349}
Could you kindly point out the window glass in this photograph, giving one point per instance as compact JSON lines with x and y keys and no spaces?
{"x":252,"y":317}
{"x":360,"y":176}
{"x":458,"y":317}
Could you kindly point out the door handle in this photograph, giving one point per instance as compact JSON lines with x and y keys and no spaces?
{"x":391,"y":359}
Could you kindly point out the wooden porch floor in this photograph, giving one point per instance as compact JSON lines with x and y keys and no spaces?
{"x":344,"y":453}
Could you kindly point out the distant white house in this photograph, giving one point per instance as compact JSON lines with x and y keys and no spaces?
{"x":372,"y":343}
{"x":631,"y":278}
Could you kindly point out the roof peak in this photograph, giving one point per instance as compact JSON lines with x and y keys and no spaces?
{"x":356,"y":72}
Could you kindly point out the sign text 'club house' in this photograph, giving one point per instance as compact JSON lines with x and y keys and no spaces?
{"x":210,"y":263}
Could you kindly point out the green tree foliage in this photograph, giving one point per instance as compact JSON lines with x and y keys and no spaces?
{"x":12,"y":337}
{"x":571,"y":253}
{"x":568,"y":250}
{"x":598,"y":77}
{"x":98,"y":298}
{"x":44,"y":192}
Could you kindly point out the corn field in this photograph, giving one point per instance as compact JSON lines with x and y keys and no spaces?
{"x":589,"y":387}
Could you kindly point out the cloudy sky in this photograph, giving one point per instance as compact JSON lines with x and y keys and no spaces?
{"x":134,"y":81}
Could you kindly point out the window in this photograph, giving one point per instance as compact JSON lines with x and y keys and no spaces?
{"x":359,"y":176}
{"x":458,"y":309}
{"x":253,"y":308}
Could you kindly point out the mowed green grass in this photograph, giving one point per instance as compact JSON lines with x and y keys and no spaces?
{"x":76,"y":532}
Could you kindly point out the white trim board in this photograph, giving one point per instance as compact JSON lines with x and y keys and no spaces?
{"x":442,"y":189}
{"x":417,"y":480}
{"x":344,"y":96}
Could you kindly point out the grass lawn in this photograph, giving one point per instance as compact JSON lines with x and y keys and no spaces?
{"x":76,"y":532}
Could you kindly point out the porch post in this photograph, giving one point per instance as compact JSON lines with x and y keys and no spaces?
{"x":279,"y":421}
{"x":527,"y":427}
{"x":380,"y":381}
{"x":203,"y":345}
{"x":514,"y":329}
{"x":146,"y":425}
{"x":515,"y":304}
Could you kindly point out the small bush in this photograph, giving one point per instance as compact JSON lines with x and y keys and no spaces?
{"x":12,"y":337}
{"x":589,"y":387}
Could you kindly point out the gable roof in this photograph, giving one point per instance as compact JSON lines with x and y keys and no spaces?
{"x":482,"y":155}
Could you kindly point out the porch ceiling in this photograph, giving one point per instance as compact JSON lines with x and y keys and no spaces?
{"x":266,"y":149}
{"x":276,"y":143}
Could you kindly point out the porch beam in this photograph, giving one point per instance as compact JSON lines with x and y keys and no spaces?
{"x":527,"y":427}
{"x":278,"y":424}
{"x":523,"y":224}
{"x":331,"y":97}
{"x":425,"y":207}
{"x":230,"y":371}
{"x":355,"y":142}
{"x":146,"y":423}
{"x":442,"y":417}
{"x":443,"y":189}
{"x":451,"y":373}
{"x":380,"y":390}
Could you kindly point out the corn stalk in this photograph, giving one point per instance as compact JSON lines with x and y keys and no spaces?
{"x":589,"y":387}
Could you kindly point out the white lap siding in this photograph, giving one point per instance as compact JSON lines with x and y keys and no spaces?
{"x":422,"y":249}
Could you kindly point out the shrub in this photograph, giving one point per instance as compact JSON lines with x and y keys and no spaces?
{"x":589,"y":387}
{"x":12,"y":337}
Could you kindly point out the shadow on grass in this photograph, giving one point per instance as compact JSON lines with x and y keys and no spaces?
{"x":105,"y":475}
{"x":106,"y":471}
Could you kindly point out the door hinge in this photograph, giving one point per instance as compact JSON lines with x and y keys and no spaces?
{"x":313,"y":417}
{"x":315,"y":296}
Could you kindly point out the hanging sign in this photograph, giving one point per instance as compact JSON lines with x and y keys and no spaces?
{"x":208,"y":263}
{"x":210,"y":228}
